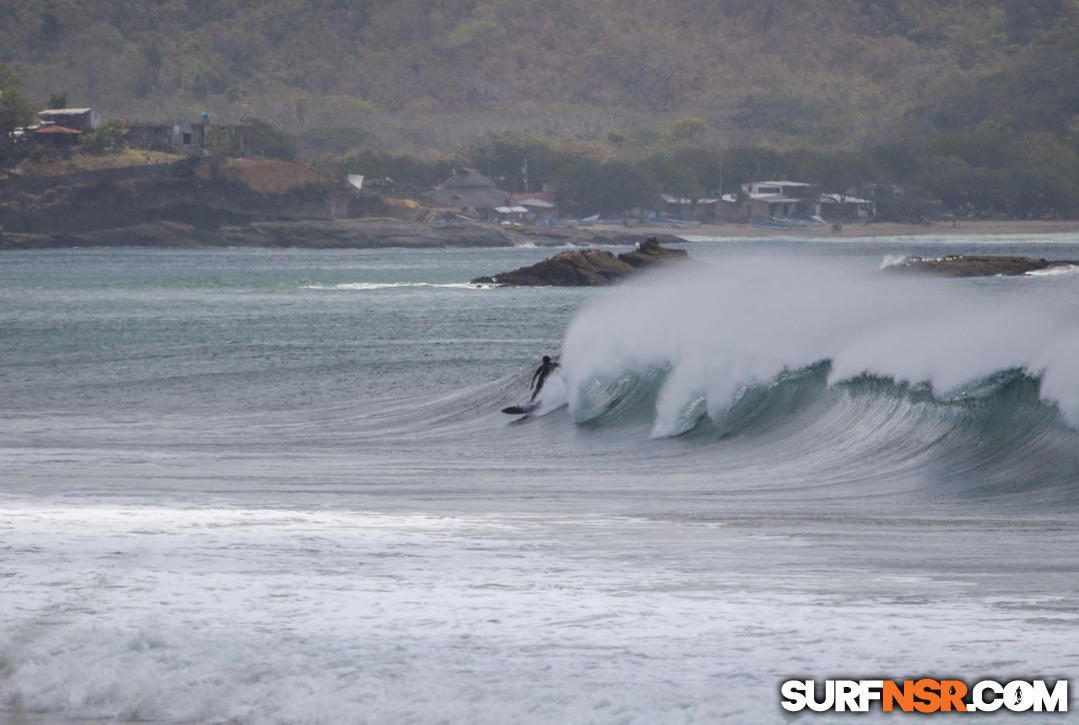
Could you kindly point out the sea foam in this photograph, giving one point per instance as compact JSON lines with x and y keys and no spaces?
{"x":716,"y":331}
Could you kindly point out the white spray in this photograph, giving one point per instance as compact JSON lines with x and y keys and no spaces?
{"x":743,"y":322}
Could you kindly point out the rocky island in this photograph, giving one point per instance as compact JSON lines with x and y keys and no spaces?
{"x":974,"y":265}
{"x":587,"y":267}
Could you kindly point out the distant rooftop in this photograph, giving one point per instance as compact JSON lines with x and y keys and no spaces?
{"x":541,"y":195}
{"x":778,"y":198}
{"x":55,"y":129}
{"x":534,"y":202}
{"x":684,"y":201}
{"x":467,"y":178}
{"x":843,"y":199}
{"x":782,"y":183}
{"x":64,"y":111}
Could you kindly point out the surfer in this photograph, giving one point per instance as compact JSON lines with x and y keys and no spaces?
{"x":540,"y":375}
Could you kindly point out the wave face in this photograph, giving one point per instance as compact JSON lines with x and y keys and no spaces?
{"x":831,"y":367}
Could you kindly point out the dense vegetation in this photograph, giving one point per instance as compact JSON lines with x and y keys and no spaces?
{"x":971,"y":102}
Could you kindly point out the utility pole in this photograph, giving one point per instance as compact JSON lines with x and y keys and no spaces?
{"x":524,"y":172}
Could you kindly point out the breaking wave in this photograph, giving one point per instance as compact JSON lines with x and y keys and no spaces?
{"x":1058,"y":271}
{"x":705,"y":338}
{"x":821,"y":364}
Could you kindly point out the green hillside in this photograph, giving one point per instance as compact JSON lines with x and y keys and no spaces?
{"x":429,"y":73}
{"x":965,"y":91}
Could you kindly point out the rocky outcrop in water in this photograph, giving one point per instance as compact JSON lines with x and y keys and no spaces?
{"x":973,"y":265}
{"x":650,"y":253}
{"x":587,"y":267}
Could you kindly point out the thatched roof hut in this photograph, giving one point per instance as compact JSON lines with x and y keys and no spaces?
{"x":469,"y":190}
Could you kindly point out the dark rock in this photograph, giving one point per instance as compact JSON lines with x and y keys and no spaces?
{"x":972,"y":265}
{"x":577,"y":268}
{"x":586,"y":267}
{"x":651,"y":253}
{"x":114,"y":198}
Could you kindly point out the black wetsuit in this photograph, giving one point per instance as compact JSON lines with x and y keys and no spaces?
{"x":540,"y":375}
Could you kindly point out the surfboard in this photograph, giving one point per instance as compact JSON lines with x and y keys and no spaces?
{"x":520,"y":409}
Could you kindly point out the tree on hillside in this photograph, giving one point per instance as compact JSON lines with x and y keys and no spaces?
{"x":752,"y":163}
{"x":688,"y":129}
{"x":265,"y":141}
{"x":15,"y":111}
{"x":401,"y":168}
{"x":836,"y":172}
{"x":512,"y":158}
{"x":255,"y":138}
{"x":15,"y":107}
{"x":608,"y":187}
{"x":109,"y":136}
{"x":50,"y":32}
{"x":502,"y":157}
{"x":1028,"y":17}
{"x":674,"y":176}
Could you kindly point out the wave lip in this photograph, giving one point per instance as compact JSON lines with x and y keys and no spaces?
{"x":719,"y":331}
{"x":1059,"y":270}
{"x":894,"y":260}
{"x":991,"y":437}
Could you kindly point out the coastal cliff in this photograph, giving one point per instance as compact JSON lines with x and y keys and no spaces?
{"x":230,"y":202}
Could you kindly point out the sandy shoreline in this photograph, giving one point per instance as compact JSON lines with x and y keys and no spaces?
{"x":882,"y":229}
{"x":372,"y":233}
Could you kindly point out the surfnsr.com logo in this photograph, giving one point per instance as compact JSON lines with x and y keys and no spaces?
{"x":924,"y":696}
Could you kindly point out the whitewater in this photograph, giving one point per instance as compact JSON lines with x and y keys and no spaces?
{"x":275,"y":486}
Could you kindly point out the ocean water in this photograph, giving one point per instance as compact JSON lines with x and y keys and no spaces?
{"x":275,"y":486}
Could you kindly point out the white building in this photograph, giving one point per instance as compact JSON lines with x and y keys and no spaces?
{"x":780,"y":200}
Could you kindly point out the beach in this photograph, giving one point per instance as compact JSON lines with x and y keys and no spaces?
{"x":860,"y":230}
